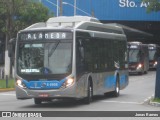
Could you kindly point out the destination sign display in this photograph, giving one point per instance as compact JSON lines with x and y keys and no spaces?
{"x":133,"y":46}
{"x":151,"y":48}
{"x":45,"y":36}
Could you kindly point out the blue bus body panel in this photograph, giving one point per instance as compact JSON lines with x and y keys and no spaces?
{"x":44,"y":85}
{"x":110,"y":81}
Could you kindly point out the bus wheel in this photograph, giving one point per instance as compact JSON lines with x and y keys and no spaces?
{"x":89,"y":97}
{"x":37,"y":101}
{"x":117,"y":89}
{"x":140,"y":73}
{"x":146,"y":72}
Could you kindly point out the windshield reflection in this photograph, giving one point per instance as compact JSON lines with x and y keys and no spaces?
{"x":134,"y":55}
{"x":152,"y":54}
{"x":46,"y":58}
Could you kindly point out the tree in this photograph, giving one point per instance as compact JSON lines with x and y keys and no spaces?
{"x":154,"y":5}
{"x":16,"y":15}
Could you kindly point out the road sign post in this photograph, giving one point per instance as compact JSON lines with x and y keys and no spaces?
{"x":157,"y":87}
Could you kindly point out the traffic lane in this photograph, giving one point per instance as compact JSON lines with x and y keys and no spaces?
{"x":140,"y":87}
{"x":99,"y":104}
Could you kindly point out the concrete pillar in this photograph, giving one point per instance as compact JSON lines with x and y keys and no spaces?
{"x":7,"y":64}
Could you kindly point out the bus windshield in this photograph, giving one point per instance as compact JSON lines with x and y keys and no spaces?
{"x":134,"y":55}
{"x":152,"y":54}
{"x":44,"y":58}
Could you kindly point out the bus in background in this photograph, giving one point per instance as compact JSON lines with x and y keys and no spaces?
{"x":138,"y":57}
{"x":154,"y":53}
{"x":70,"y":57}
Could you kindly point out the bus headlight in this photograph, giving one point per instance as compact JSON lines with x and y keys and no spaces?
{"x":68,"y":82}
{"x":139,"y":66}
{"x":155,"y":63}
{"x":20,"y":83}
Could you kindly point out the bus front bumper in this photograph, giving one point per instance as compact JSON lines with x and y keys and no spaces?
{"x":24,"y":93}
{"x":135,"y":70}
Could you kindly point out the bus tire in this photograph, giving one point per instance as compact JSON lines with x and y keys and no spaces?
{"x":37,"y":101}
{"x":89,"y":97}
{"x":140,"y":73}
{"x":146,"y":72}
{"x":117,"y":88}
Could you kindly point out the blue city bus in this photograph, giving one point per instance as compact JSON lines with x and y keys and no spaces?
{"x":70,"y":57}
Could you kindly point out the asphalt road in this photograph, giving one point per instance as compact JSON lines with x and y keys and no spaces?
{"x":133,"y":98}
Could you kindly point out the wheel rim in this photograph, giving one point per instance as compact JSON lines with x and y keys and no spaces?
{"x":117,"y":88}
{"x":90,"y":92}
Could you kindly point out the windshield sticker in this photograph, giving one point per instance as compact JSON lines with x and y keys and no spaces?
{"x":151,"y":48}
{"x":33,"y":45}
{"x":133,"y":46}
{"x":30,"y":70}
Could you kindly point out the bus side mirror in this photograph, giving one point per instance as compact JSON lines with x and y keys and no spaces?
{"x":11,"y":47}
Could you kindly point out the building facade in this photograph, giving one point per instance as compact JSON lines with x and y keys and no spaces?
{"x":131,"y":13}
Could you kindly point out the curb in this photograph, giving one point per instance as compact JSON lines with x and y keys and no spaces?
{"x":7,"y":89}
{"x":156,"y":104}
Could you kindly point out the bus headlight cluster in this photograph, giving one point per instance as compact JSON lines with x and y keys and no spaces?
{"x":155,"y":63}
{"x":69,"y":82}
{"x":20,"y":83}
{"x":139,"y":66}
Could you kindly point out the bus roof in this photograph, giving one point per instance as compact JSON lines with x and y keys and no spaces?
{"x":152,"y":44}
{"x":77,"y":22}
{"x":74,"y":19}
{"x":135,"y":43}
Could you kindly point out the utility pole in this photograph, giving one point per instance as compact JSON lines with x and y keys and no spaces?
{"x":61,"y":8}
{"x":75,"y":7}
{"x":157,"y":87}
{"x":57,"y":8}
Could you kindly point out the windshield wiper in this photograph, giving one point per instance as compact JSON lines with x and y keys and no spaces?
{"x":53,"y":49}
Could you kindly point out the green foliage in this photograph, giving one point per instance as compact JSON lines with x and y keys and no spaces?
{"x":156,"y":100}
{"x":154,"y":5}
{"x":18,"y":14}
{"x":10,"y":83}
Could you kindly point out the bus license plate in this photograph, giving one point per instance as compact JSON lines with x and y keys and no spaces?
{"x":44,"y":95}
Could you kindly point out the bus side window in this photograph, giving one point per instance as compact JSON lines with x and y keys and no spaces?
{"x":80,"y":56}
{"x":144,"y":56}
{"x":139,"y":56}
{"x":81,"y":50}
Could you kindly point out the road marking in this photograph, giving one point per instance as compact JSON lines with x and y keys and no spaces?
{"x":123,"y":102}
{"x":7,"y":94}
